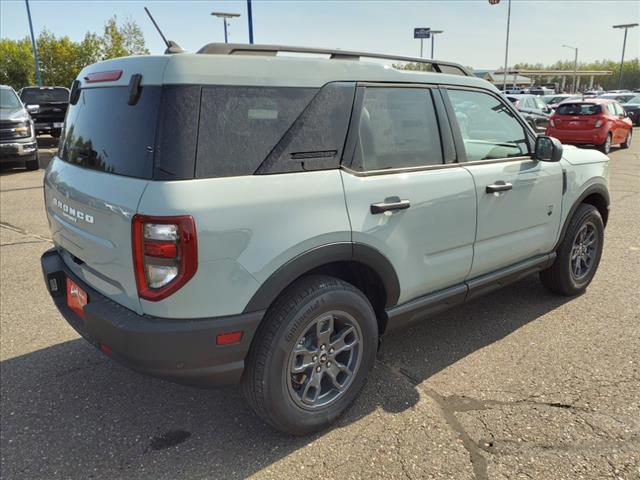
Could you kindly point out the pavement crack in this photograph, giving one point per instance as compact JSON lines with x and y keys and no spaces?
{"x":22,"y":231}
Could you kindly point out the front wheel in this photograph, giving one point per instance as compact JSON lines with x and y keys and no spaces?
{"x":311,"y":355}
{"x":627,"y":141}
{"x":606,"y":146}
{"x":578,"y":256}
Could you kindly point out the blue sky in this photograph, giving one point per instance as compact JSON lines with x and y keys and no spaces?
{"x":474,"y":30}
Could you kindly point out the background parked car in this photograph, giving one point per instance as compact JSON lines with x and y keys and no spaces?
{"x":47,"y":106}
{"x":541,"y":91}
{"x":632,"y":107}
{"x":533,"y":109}
{"x":553,"y":101}
{"x":618,"y":97}
{"x":597,"y":121}
{"x":17,"y":137}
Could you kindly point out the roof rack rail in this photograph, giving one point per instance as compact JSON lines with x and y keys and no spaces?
{"x":273,"y":50}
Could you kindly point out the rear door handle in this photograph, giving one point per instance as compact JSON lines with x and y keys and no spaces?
{"x":498,"y":187}
{"x":386,"y":207}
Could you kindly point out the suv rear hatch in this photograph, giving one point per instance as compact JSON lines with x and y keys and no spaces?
{"x":93,"y":186}
{"x":577,"y":116}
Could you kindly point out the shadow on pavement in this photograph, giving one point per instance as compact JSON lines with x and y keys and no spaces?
{"x":68,"y":410}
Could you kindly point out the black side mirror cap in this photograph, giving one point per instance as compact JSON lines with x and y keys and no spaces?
{"x":548,"y":149}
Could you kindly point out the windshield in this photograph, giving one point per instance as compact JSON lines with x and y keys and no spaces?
{"x":8,"y":99}
{"x":635,"y":99}
{"x":35,"y":96}
{"x":578,"y":109}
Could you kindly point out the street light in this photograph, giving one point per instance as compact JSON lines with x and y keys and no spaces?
{"x":575,"y":67}
{"x":506,"y":48}
{"x":626,"y":27}
{"x":34,"y":46}
{"x":433,"y":35}
{"x":224,"y":17}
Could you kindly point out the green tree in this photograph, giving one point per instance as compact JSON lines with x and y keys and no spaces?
{"x":120,"y":41}
{"x":17,"y":67}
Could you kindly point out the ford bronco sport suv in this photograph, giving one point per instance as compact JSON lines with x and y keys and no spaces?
{"x":242,"y":216}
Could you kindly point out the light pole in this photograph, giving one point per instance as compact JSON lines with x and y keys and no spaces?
{"x":34,"y":46}
{"x":250,"y":20}
{"x":506,"y":48}
{"x":224,"y":17}
{"x":626,"y":27}
{"x":433,"y":38}
{"x":575,"y":67}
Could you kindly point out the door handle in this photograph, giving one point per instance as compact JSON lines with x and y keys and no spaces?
{"x":498,"y":187}
{"x":386,"y":207}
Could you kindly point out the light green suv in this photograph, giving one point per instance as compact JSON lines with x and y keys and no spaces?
{"x":243,"y":216}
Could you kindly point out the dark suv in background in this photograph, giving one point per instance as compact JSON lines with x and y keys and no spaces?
{"x":47,"y":106}
{"x":17,"y":136}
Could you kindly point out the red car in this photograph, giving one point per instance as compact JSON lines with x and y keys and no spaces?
{"x":593,"y":121}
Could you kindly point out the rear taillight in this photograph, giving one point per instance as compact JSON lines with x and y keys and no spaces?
{"x":552,"y":122}
{"x":598,"y":123}
{"x":165,"y":254}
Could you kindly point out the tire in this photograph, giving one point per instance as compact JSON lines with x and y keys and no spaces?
{"x":561,"y":277}
{"x":627,"y":142}
{"x":606,"y":146}
{"x":270,"y":385}
{"x":32,"y":164}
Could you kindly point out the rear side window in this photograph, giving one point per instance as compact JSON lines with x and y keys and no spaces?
{"x":239,"y":126}
{"x":35,"y":96}
{"x":488,"y":127}
{"x":102,"y":132}
{"x":398,"y":129}
{"x":578,"y":109}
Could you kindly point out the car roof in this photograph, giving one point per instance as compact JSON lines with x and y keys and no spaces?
{"x":264,"y":70}
{"x":598,"y":101}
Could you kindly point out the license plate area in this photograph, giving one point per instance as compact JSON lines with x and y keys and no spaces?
{"x":77,"y":298}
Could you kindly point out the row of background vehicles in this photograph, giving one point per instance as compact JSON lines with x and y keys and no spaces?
{"x":24,"y":115}
{"x":600,"y":119}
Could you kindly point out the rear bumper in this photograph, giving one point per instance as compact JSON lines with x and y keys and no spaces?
{"x":587,"y":137}
{"x":18,"y":151}
{"x":182,"y":351}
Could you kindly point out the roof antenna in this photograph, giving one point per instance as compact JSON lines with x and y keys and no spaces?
{"x":172,"y":47}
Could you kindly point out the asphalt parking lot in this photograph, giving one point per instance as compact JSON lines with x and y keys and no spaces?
{"x":520,"y":384}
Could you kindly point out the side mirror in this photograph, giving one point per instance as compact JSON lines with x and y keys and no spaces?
{"x":548,"y":149}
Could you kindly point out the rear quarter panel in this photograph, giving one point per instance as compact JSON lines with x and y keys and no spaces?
{"x":247,"y":228}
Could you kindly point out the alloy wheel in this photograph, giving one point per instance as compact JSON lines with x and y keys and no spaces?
{"x":584,"y":251}
{"x":324,"y":360}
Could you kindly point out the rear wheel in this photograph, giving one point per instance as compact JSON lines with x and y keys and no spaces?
{"x":311,"y":355}
{"x":606,"y":146}
{"x":627,"y":142}
{"x":578,"y":256}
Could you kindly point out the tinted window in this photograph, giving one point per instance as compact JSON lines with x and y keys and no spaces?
{"x":316,"y":139}
{"x":489,"y":129}
{"x":44,"y":95}
{"x":102,"y":132}
{"x":8,"y":99}
{"x":239,"y":126}
{"x":578,"y":109}
{"x":398,"y":128}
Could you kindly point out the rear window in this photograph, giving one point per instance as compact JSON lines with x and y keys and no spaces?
{"x":102,"y":132}
{"x":578,"y":109}
{"x":44,"y":95}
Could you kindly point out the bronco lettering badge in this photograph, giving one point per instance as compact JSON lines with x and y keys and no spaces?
{"x":71,"y":213}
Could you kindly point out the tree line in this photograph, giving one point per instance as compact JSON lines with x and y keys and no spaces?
{"x":61,"y":59}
